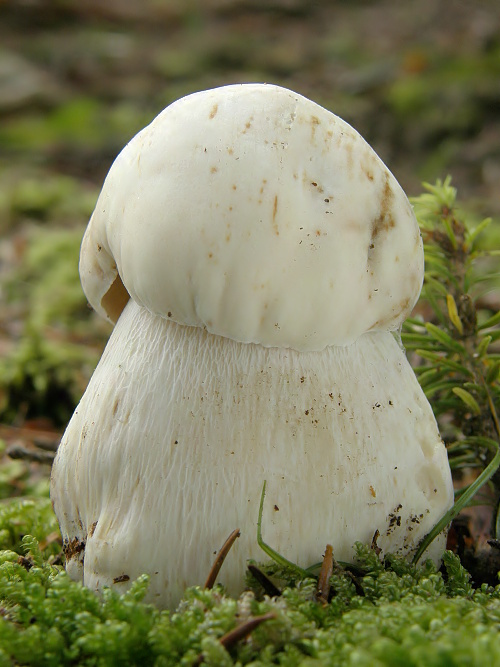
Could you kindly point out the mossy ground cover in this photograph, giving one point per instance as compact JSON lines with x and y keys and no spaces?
{"x":381,"y":613}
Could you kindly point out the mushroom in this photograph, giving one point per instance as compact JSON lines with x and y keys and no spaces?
{"x":258,"y":259}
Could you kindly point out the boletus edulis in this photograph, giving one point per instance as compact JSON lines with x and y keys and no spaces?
{"x":257,"y":259}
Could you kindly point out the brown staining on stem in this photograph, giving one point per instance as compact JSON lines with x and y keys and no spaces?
{"x":73,"y":548}
{"x":415,"y":518}
{"x":121,"y":578}
{"x":92,"y":529}
{"x":213,"y":170}
{"x":394,"y":520}
{"x":213,"y":111}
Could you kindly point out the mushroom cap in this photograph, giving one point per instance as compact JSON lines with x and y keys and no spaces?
{"x":257,"y":214}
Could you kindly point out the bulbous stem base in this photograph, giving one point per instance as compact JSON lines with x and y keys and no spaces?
{"x":170,"y":445}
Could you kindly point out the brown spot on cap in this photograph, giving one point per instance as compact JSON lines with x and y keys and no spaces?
{"x":405,"y":305}
{"x":213,"y":111}
{"x":315,"y":121}
{"x":385,"y":220}
{"x":275,"y":210}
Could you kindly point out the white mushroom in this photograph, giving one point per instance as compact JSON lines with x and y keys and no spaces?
{"x":269,"y":255}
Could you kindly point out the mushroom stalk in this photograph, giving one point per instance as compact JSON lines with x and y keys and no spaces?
{"x":344,"y":437}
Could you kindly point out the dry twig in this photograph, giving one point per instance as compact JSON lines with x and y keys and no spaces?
{"x":323,"y":587}
{"x":221,"y":557}
{"x":240,"y":632}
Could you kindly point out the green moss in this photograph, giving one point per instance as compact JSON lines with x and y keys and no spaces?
{"x":27,"y":516}
{"x":43,"y":379}
{"x":47,"y":279}
{"x":47,"y":372}
{"x":396,"y":615}
{"x":81,"y":124}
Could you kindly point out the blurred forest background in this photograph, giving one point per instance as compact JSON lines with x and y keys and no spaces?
{"x":419,"y":80}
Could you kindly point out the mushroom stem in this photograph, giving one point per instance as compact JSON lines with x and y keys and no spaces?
{"x":344,"y":437}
